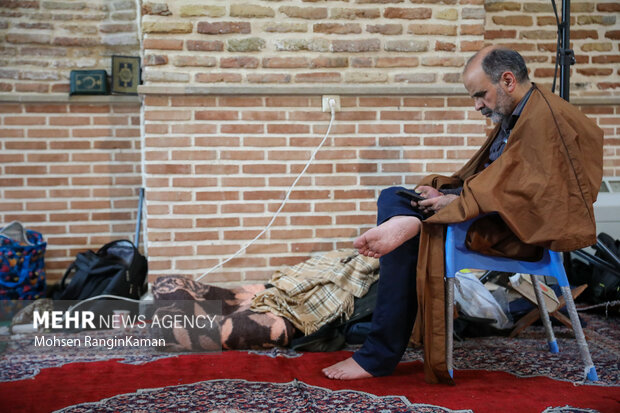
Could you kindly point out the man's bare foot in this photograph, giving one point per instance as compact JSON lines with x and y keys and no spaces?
{"x":346,"y":370}
{"x":388,"y":236}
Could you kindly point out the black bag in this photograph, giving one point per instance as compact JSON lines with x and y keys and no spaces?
{"x":600,"y":271}
{"x":605,"y":284}
{"x":117,"y":268}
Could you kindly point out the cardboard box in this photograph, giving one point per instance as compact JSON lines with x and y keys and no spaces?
{"x":522,"y":283}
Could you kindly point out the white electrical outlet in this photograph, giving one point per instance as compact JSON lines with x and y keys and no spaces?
{"x":327,"y":107}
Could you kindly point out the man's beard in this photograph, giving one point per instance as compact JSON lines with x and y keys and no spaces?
{"x":502,"y":108}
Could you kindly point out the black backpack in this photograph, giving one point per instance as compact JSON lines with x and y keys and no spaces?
{"x":605,"y":282}
{"x":117,"y":268}
{"x":600,"y":271}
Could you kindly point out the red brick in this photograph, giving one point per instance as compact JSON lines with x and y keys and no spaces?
{"x":242,"y":128}
{"x":46,"y":108}
{"x":217,"y":115}
{"x":444,"y":115}
{"x":312,"y":13}
{"x":424,"y":153}
{"x":337,"y":28}
{"x":245,"y":62}
{"x":48,"y":157}
{"x":11,"y":108}
{"x":70,"y":120}
{"x":583,"y":34}
{"x":605,"y":86}
{"x":318,"y":77}
{"x":473,"y":29}
{"x":424,"y":102}
{"x":26,"y":170}
{"x":513,"y":20}
{"x":168,"y":169}
{"x":337,"y":232}
{"x":220,"y":28}
{"x":544,"y":72}
{"x":445,"y":46}
{"x":235,"y":101}
{"x":49,"y":133}
{"x":285,"y":62}
{"x":167,"y":115}
{"x":606,"y":59}
{"x":156,"y":129}
{"x":356,"y":220}
{"x":193,"y":101}
{"x":32,"y":87}
{"x":269,"y":77}
{"x":472,"y":46}
{"x":397,"y":62}
{"x":437,"y":29}
{"x":24,"y":120}
{"x":361,"y":62}
{"x":357,"y":45}
{"x":218,"y":77}
{"x":11,"y":133}
{"x":385,"y":29}
{"x":211,"y":141}
{"x":204,"y":46}
{"x":263,"y":115}
{"x":444,"y":141}
{"x":401,"y":167}
{"x":613,"y":34}
{"x":194,"y":155}
{"x":407,"y":13}
{"x":595,"y":71}
{"x":611,"y":7}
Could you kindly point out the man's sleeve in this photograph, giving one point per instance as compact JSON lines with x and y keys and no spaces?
{"x":452,"y":191}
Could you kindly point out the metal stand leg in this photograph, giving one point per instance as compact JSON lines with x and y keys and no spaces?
{"x":590,"y":370}
{"x":544,"y":315}
{"x":449,"y":323}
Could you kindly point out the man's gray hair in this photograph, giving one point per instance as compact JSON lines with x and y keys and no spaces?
{"x":500,"y":60}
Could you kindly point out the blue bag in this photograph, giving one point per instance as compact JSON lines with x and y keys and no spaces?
{"x":22,"y":267}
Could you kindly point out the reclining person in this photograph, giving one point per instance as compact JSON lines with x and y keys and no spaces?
{"x":539,"y":170}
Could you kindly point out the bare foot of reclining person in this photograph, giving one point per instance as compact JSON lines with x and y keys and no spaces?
{"x":388,"y":236}
{"x":346,"y":370}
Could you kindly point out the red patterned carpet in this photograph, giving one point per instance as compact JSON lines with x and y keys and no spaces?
{"x":494,"y":375}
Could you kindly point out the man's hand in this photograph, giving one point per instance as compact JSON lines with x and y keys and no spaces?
{"x":435,"y":204}
{"x":428,"y":191}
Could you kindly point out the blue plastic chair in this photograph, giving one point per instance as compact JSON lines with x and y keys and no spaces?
{"x":458,"y":257}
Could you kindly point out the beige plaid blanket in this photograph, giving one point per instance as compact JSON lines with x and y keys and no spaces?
{"x":319,"y":290}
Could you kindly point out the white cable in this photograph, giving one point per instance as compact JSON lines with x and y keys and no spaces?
{"x":333,"y":113}
{"x":73,"y":307}
{"x":243,"y":248}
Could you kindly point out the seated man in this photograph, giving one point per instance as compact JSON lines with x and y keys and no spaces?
{"x":540,"y":170}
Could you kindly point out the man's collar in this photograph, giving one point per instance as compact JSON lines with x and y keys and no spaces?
{"x":509,"y":122}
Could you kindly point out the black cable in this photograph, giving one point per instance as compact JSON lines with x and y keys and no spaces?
{"x":557,"y":47}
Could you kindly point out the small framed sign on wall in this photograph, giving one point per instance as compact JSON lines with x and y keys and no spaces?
{"x":125,"y":74}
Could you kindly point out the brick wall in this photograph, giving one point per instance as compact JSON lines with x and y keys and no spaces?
{"x":530,"y":27}
{"x":72,"y":172}
{"x":299,"y":42}
{"x":232,"y":111}
{"x":218,"y":167}
{"x":41,"y":41}
{"x":368,"y":42}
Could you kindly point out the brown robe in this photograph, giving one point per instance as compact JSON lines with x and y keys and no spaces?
{"x":542,"y":186}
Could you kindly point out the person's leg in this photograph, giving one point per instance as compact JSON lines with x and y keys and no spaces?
{"x":396,"y":306}
{"x":394,"y":313}
{"x":397,"y":222}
